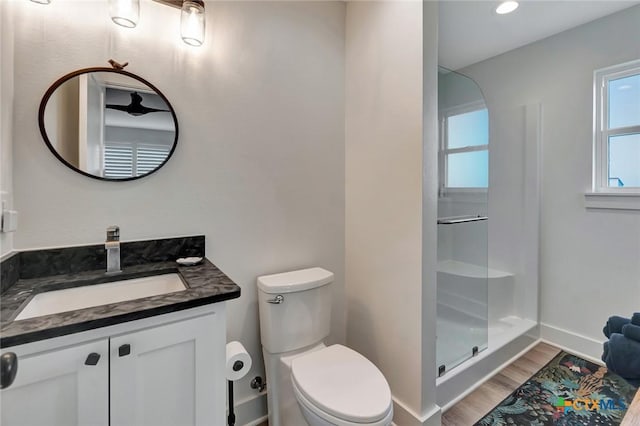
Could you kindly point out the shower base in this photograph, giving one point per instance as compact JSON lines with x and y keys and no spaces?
{"x":507,"y":338}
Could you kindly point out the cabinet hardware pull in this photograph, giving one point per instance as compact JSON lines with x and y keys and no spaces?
{"x":8,"y":369}
{"x":124,"y":350}
{"x":92,"y":359}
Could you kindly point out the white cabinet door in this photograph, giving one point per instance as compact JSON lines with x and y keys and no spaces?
{"x":170,"y":375}
{"x":59,"y":387}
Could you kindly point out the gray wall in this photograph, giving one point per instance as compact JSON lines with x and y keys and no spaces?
{"x":389,"y":308}
{"x":259,"y":167}
{"x":6,"y":115}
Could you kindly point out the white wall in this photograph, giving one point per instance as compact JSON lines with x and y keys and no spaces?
{"x":590,"y":260}
{"x":430,"y":411}
{"x":259,"y":167}
{"x":384,"y":195}
{"x":6,"y":115}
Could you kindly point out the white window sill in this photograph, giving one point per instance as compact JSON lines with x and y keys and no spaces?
{"x":612,"y":201}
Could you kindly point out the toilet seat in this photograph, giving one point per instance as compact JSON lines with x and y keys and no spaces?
{"x":342,"y":386}
{"x":325,"y":419}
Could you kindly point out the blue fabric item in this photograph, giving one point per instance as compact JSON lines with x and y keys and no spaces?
{"x":623,"y":357}
{"x":634,"y":382}
{"x":614,"y":325}
{"x":635,"y":319}
{"x":631,"y":331}
{"x":605,"y":353}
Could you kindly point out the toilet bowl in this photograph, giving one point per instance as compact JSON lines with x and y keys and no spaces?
{"x":310,"y":383}
{"x":338,"y":386}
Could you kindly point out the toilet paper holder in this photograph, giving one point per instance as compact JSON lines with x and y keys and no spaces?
{"x":238,"y":362}
{"x":238,"y":365}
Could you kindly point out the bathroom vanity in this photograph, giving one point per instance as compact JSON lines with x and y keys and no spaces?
{"x":156,"y":360}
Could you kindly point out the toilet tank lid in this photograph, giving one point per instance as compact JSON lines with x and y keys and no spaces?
{"x":288,"y":282}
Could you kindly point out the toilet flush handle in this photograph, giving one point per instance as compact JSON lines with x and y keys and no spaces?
{"x":276,"y":300}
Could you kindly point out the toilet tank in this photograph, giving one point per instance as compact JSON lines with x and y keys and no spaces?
{"x":295,"y":309}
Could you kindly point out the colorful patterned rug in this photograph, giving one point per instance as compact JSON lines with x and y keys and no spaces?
{"x":568,"y":391}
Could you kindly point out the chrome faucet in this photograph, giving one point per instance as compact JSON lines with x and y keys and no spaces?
{"x":112,"y":245}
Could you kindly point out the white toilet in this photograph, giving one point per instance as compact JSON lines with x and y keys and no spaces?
{"x":309,"y":383}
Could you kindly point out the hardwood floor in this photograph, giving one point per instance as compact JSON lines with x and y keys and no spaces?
{"x":475,"y":405}
{"x":482,"y":400}
{"x":632,"y":418}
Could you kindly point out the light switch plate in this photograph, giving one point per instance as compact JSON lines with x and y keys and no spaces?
{"x":9,"y":220}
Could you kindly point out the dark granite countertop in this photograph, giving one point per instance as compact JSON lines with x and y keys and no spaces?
{"x":204,"y":283}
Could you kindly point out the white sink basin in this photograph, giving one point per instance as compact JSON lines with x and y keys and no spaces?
{"x":71,"y":299}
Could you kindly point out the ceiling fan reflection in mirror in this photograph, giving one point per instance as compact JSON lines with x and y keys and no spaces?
{"x":135,"y":108}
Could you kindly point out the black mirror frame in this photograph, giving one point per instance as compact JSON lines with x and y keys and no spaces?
{"x":76,"y":73}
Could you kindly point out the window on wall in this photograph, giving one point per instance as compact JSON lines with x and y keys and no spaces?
{"x":464,"y":150}
{"x":617,"y":129}
{"x":124,"y":160}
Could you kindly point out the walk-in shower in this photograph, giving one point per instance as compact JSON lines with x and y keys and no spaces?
{"x":462,"y":221}
{"x":481,"y":308}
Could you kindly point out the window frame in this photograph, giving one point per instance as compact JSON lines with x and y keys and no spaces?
{"x":445,"y":151}
{"x":601,"y":132}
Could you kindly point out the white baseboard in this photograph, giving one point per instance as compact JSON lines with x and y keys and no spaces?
{"x":257,"y":422}
{"x":404,"y":416}
{"x":583,"y":346}
{"x":251,"y":411}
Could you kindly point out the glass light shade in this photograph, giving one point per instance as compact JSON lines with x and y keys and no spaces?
{"x":192,"y":23}
{"x":125,"y":12}
{"x":507,"y":7}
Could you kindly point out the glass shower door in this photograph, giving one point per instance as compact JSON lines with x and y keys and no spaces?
{"x":462,"y":292}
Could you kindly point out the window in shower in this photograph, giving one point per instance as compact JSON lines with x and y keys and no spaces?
{"x":617,"y":129}
{"x":464,"y":158}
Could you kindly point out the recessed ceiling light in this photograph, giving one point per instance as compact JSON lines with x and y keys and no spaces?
{"x":507,"y":7}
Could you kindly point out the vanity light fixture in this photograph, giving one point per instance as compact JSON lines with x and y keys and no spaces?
{"x":125,"y":12}
{"x":192,"y":21}
{"x":507,"y":7}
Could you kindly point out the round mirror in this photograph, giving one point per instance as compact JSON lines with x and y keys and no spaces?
{"x":108,"y":124}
